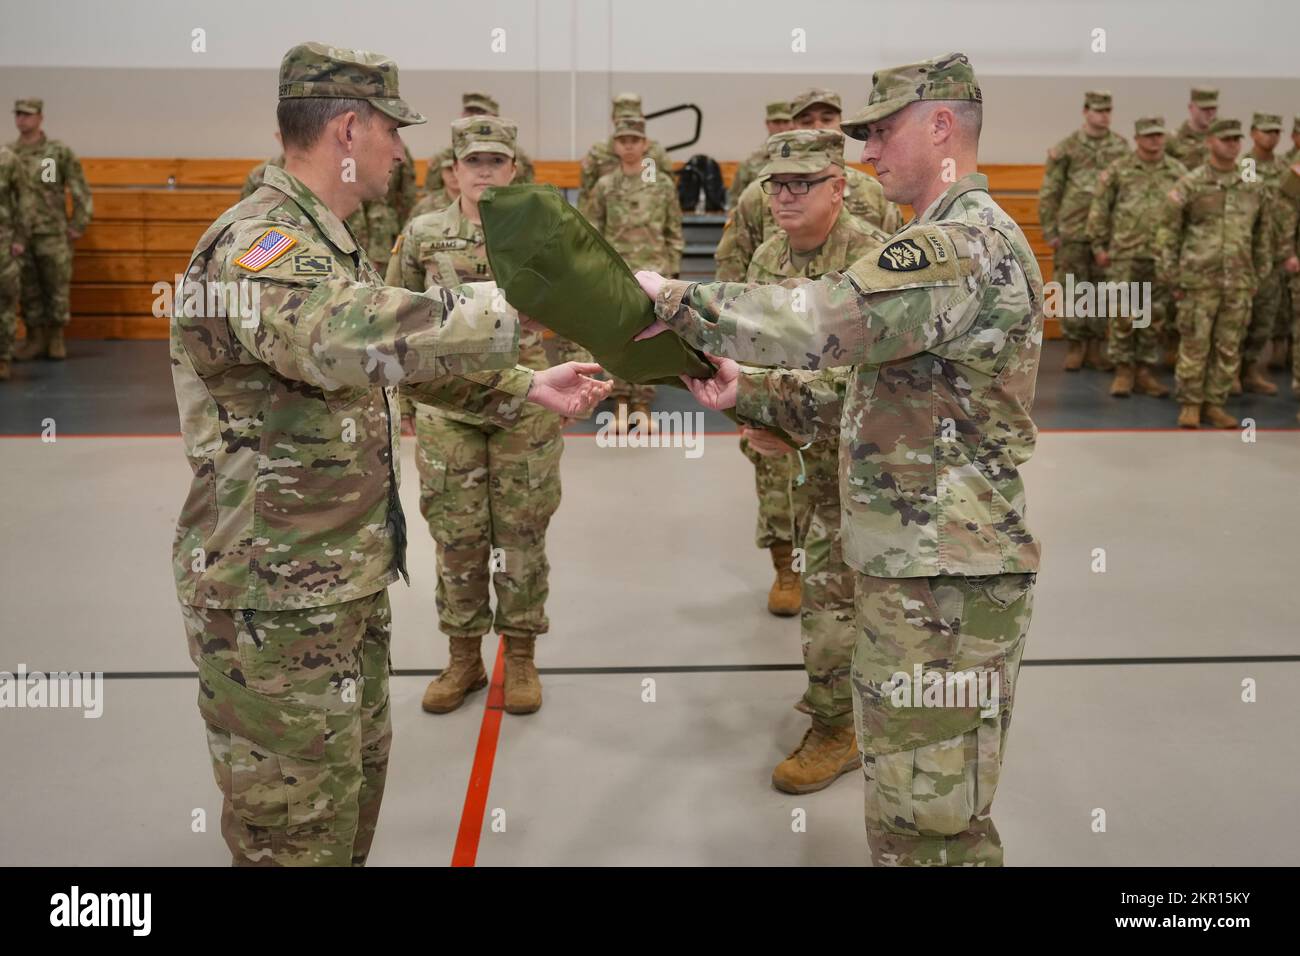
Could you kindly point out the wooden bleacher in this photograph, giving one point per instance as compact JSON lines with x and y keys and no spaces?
{"x":149,"y":213}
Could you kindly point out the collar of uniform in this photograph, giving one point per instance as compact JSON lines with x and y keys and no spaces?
{"x":461,"y":226}
{"x":969,"y":183}
{"x":315,"y":210}
{"x":19,"y":144}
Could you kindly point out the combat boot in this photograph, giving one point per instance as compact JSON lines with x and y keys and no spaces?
{"x":1189,"y":416}
{"x":1255,"y":381}
{"x":34,"y":347}
{"x":1171,"y":358}
{"x":1235,"y":388}
{"x":1216,"y":417}
{"x":822,"y":756}
{"x":523,"y":686}
{"x":1122,"y":386}
{"x":1278,"y":361}
{"x":786,"y":593}
{"x":54,"y":347}
{"x":4,"y":370}
{"x":1095,"y":356}
{"x":1074,"y":355}
{"x":464,"y":673}
{"x":1148,"y":384}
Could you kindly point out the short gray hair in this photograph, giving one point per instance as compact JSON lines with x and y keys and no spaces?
{"x":302,"y":119}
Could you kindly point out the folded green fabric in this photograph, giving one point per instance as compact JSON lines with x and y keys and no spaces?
{"x":554,"y":266}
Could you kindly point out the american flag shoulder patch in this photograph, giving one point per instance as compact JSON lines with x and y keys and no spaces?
{"x":271,"y":245}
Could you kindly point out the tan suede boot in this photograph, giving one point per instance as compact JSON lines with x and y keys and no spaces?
{"x":464,"y":673}
{"x":1095,"y":356}
{"x":1278,"y":361}
{"x":4,"y":370}
{"x":786,"y":593}
{"x":1216,"y":417}
{"x":1254,"y":380}
{"x":822,"y":756}
{"x":1122,"y":386}
{"x":1148,"y":384}
{"x":33,"y":347}
{"x":1074,"y":355}
{"x":1189,"y":416}
{"x":54,"y":347}
{"x":523,"y":686}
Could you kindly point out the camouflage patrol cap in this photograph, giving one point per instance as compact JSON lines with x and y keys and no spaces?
{"x":779,"y":110}
{"x":628,"y":125}
{"x":1205,"y":96}
{"x":1149,"y":126}
{"x":949,"y":77}
{"x":1266,"y":122}
{"x":480,"y":101}
{"x":1099,"y":100}
{"x":814,"y":96}
{"x":803,"y":151}
{"x":318,"y":70}
{"x":626,"y":104}
{"x":29,"y":104}
{"x":483,"y":134}
{"x":1225,"y":129}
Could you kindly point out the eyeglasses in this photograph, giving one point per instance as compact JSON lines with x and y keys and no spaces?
{"x":797,"y":187}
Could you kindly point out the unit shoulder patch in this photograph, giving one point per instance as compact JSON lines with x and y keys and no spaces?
{"x":307,"y":264}
{"x":923,"y":255}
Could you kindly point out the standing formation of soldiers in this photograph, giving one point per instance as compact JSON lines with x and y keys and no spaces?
{"x":37,"y":176}
{"x":1209,"y":232}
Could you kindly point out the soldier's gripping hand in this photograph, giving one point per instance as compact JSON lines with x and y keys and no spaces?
{"x":719,"y":392}
{"x":568,"y":390}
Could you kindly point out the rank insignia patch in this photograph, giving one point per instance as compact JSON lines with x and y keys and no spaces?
{"x":271,"y":245}
{"x":903,"y":256}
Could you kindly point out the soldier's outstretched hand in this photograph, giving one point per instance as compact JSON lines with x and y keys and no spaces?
{"x":568,"y":389}
{"x":719,"y":392}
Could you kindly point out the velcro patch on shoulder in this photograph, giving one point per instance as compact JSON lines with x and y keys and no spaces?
{"x":445,"y":244}
{"x":923,"y":255}
{"x":307,"y":264}
{"x":268,"y":247}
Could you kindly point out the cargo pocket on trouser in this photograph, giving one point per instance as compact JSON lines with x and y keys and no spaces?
{"x":276,"y":775}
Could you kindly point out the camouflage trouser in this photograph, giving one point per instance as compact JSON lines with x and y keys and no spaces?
{"x":1127,"y":344}
{"x":1266,"y":317}
{"x":1211,"y":322}
{"x":1293,"y":284}
{"x":826,"y":624}
{"x":488,"y":494}
{"x":46,"y":276}
{"x":10,"y":270}
{"x":629,"y":394}
{"x":931,"y":771}
{"x":296,"y":709}
{"x":772,"y":479}
{"x":1075,"y":258}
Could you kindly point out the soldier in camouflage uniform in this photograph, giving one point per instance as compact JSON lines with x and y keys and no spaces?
{"x":1188,"y":144}
{"x":1270,"y":311}
{"x":817,"y":236}
{"x":601,"y":158}
{"x":474,"y":104}
{"x":487,"y":491}
{"x":1126,"y":209}
{"x":1289,"y":231}
{"x":1069,"y":179}
{"x":943,"y":329}
{"x":292,"y":529}
{"x":50,"y":173}
{"x":635,"y":208}
{"x":1215,"y":243}
{"x":16,"y":216}
{"x":751,"y":224}
{"x":779,"y":119}
{"x":439,"y":198}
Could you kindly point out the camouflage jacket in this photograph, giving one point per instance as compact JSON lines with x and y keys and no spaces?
{"x":746,"y":172}
{"x":751,"y":222}
{"x":944,"y":329}
{"x":432,"y":202}
{"x":1286,"y":221}
{"x":601,"y":160}
{"x":286,"y":403}
{"x":51,"y":171}
{"x":444,"y":248}
{"x":775,"y":396}
{"x":1269,"y":173}
{"x":1069,"y":179}
{"x":1188,"y":147}
{"x":1215,"y":232}
{"x":375,"y":224}
{"x":1128,"y":204}
{"x":524,"y":172}
{"x":640,"y":220}
{"x":16,"y":213}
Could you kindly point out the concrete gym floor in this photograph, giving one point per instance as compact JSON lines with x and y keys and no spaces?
{"x":1130,"y":701}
